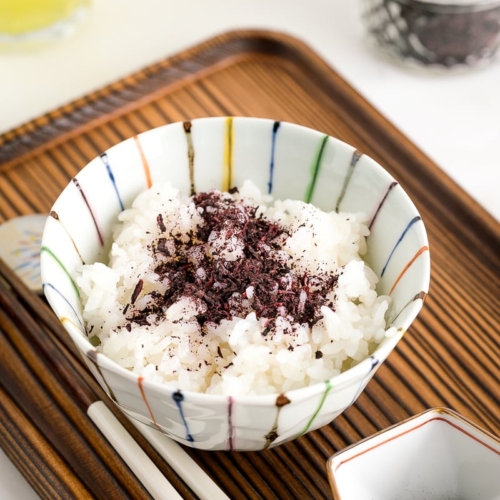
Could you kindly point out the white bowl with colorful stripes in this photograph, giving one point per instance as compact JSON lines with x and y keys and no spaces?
{"x":285,"y":160}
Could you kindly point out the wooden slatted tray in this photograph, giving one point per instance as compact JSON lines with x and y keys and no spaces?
{"x":451,"y":354}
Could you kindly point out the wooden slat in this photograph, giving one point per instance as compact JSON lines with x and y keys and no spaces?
{"x":451,"y":354}
{"x":42,"y":466}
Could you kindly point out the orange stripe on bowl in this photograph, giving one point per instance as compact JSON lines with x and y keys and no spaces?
{"x":144,"y":160}
{"x":143,"y":395}
{"x":401,"y":274}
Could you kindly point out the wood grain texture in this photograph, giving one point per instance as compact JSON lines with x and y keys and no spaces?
{"x":451,"y":354}
{"x":65,"y":425}
{"x":49,"y":475}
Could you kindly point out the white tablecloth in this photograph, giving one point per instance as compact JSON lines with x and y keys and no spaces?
{"x":453,"y":118}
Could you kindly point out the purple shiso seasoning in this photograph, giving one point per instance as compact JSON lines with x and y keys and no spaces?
{"x":254,"y":282}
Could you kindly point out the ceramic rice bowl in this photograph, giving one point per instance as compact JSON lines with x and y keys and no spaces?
{"x":285,"y":160}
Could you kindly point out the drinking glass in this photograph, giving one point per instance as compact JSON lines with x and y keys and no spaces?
{"x":34,"y":23}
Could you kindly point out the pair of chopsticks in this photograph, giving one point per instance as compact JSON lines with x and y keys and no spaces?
{"x":59,"y":427}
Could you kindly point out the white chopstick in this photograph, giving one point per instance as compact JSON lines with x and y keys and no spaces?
{"x":134,"y":456}
{"x":146,"y":471}
{"x":192,"y":474}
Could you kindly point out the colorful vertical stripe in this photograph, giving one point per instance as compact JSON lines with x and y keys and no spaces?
{"x":55,"y":216}
{"x":328,"y":388}
{"x":64,"y":319}
{"x":272,"y":435}
{"x":315,"y":168}
{"x":231,"y":431}
{"x":53,"y":256}
{"x":178,"y":397}
{"x":401,"y":238}
{"x":104,"y":158}
{"x":420,"y":251}
{"x":373,"y":218}
{"x":356,"y":155}
{"x":91,"y":212}
{"x":144,"y":160}
{"x":276,"y":126}
{"x":190,"y":152}
{"x":140,"y":381}
{"x":228,"y":167}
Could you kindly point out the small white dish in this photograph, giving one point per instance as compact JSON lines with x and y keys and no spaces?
{"x":435,"y":455}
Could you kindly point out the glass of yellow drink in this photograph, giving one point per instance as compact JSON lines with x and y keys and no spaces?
{"x":31,"y":23}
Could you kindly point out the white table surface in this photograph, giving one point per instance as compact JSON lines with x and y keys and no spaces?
{"x":453,"y":118}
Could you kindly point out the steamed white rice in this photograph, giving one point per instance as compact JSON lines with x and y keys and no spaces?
{"x":234,"y":357}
